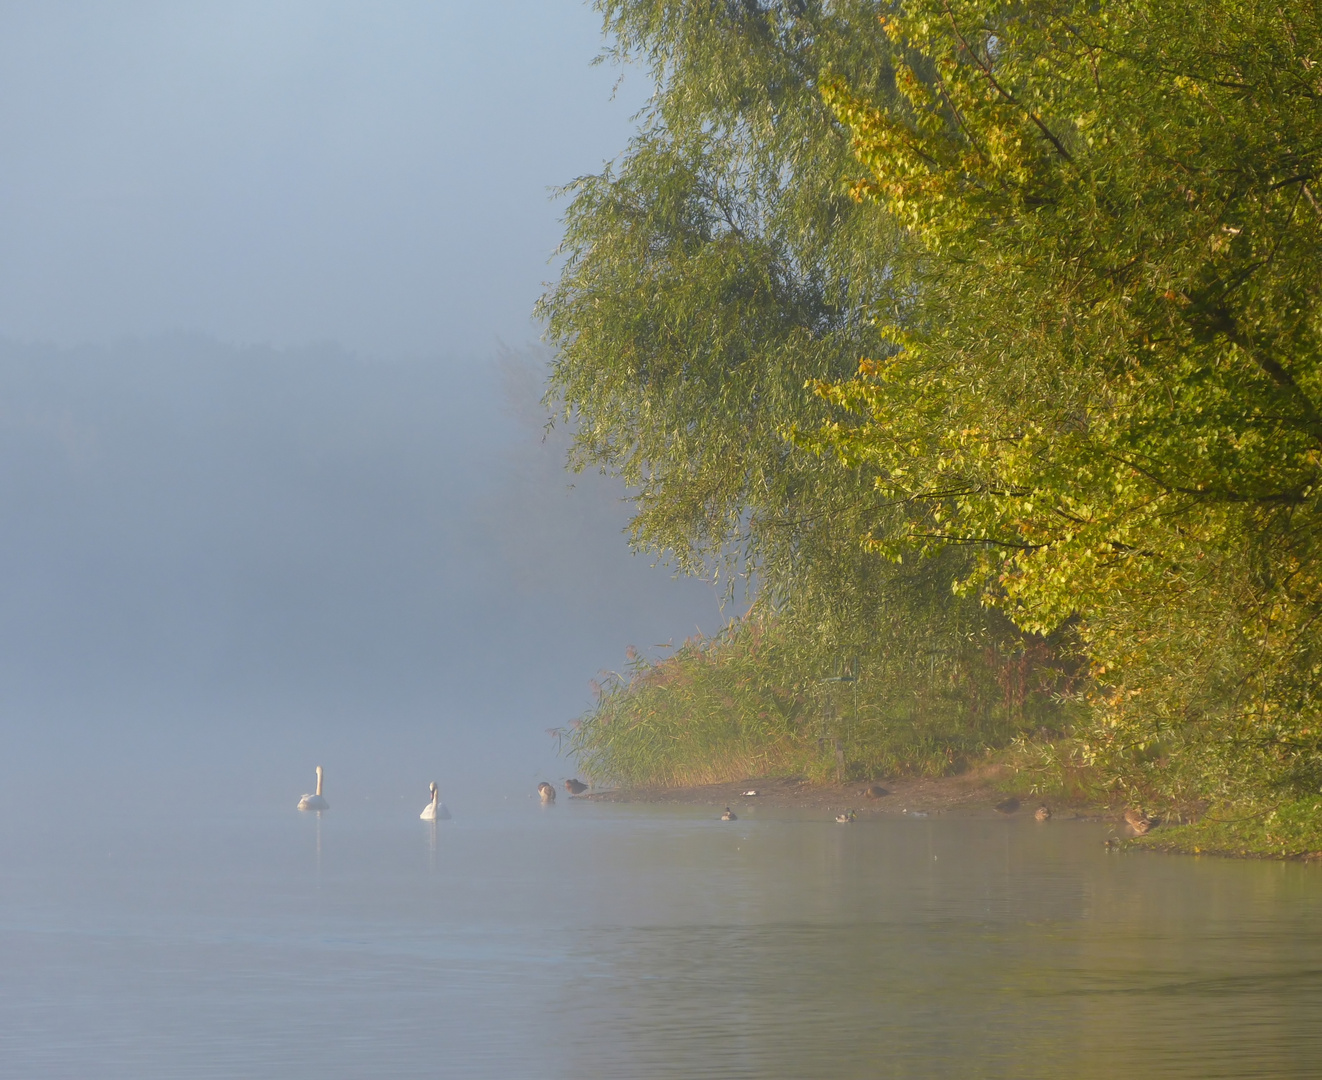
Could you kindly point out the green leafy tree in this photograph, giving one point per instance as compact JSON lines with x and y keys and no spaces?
{"x":1102,"y":365}
{"x":718,"y":266}
{"x":712,"y":272}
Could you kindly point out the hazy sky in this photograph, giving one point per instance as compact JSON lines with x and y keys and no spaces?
{"x":272,"y":490}
{"x":287,"y":171}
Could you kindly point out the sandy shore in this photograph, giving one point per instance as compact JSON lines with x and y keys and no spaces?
{"x":969,"y":795}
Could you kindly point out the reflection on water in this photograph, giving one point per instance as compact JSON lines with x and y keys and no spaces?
{"x":611,"y":941}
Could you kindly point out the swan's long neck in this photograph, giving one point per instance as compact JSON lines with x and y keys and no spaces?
{"x":319,"y":780}
{"x":435,"y":794}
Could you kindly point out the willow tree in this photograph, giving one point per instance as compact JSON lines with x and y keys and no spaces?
{"x":1104,"y":373}
{"x":713,"y":271}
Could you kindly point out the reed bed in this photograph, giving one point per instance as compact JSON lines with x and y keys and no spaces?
{"x":753,"y":702}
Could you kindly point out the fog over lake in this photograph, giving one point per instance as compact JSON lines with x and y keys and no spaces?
{"x":230,"y":563}
{"x":275,"y":489}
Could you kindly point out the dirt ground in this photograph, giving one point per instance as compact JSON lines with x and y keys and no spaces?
{"x":973,"y":794}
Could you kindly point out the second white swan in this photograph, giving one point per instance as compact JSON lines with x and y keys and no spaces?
{"x":435,"y":810}
{"x":314,"y":802}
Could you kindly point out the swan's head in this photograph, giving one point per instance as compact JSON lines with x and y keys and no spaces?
{"x":433,"y":789}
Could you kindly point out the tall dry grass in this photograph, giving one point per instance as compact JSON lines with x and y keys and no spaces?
{"x":753,"y":701}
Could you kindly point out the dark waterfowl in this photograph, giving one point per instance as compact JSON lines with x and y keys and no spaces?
{"x":875,"y":791}
{"x":575,"y":787}
{"x":729,"y":815}
{"x":1007,"y":806}
{"x":546,"y":791}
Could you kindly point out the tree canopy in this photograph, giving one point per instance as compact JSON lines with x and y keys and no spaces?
{"x":969,"y":321}
{"x":1105,"y":375}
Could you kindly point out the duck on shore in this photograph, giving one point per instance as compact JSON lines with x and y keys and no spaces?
{"x":547,"y":792}
{"x":1138,"y":821}
{"x":875,"y":791}
{"x":1007,"y":806}
{"x":575,"y":787}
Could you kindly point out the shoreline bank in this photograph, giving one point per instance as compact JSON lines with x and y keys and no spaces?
{"x":971,"y":795}
{"x":968,"y":795}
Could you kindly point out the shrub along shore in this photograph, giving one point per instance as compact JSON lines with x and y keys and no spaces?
{"x":982,"y":344}
{"x":718,"y":717}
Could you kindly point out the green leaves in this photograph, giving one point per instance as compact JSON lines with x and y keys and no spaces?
{"x":713,"y":271}
{"x":718,"y":266}
{"x":935,"y":314}
{"x":1108,"y":376}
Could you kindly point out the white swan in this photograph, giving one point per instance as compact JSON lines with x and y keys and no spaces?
{"x":314,"y":802}
{"x":435,"y":810}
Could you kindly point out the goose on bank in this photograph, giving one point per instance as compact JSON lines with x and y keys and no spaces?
{"x":314,"y":802}
{"x":435,"y":810}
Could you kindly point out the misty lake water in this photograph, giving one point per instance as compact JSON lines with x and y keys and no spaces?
{"x":590,"y":940}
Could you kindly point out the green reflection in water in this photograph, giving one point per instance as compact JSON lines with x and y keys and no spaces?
{"x":646,"y":942}
{"x":946,"y":947}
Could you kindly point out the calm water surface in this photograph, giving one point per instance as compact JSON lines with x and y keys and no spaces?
{"x":626,"y":941}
